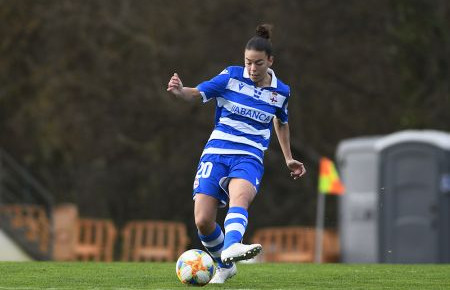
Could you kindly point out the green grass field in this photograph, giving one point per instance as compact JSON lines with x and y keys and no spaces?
{"x":54,"y":275}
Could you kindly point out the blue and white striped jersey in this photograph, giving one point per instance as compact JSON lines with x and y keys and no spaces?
{"x":244,"y":112}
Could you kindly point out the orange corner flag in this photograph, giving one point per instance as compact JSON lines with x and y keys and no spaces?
{"x":329,"y":182}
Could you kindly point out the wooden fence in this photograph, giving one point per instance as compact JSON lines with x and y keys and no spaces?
{"x":33,"y":220}
{"x":153,"y":241}
{"x":295,"y":244}
{"x":95,"y":240}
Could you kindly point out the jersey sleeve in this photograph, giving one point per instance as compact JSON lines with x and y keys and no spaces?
{"x":282,"y":113}
{"x":215,"y":86}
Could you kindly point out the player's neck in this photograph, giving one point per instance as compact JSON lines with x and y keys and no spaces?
{"x":265,"y":82}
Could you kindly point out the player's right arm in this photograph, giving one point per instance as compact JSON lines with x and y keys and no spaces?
{"x":175,"y":87}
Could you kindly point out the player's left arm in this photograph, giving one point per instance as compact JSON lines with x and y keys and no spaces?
{"x":282,"y":130}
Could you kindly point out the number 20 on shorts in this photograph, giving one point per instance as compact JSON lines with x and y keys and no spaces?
{"x":205,"y":170}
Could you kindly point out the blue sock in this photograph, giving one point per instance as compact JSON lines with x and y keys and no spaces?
{"x":214,"y":245}
{"x":235,"y":225}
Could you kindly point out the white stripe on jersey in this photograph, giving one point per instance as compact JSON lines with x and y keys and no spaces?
{"x":212,"y":150}
{"x":267,"y":96}
{"x":245,"y":128}
{"x":272,"y":98}
{"x":205,"y":99}
{"x":243,"y":110}
{"x":240,"y":87}
{"x":216,"y":134}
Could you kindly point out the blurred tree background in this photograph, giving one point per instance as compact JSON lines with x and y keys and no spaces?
{"x":83,"y":100}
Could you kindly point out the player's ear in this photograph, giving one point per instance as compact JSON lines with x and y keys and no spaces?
{"x":270,"y":60}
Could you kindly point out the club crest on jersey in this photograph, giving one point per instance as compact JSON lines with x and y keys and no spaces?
{"x":274,"y":97}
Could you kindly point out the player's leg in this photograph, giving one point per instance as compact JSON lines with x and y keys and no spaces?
{"x":242,"y":193}
{"x":209,"y":232}
{"x":205,"y":213}
{"x":208,"y":196}
{"x":211,"y":235}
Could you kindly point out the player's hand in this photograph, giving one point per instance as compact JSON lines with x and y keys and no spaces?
{"x":297,"y":168}
{"x":175,"y":86}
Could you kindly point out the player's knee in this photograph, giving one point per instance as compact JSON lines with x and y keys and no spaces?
{"x":204,"y":224}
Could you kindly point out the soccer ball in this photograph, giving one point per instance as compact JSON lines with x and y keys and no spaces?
{"x":195,"y":267}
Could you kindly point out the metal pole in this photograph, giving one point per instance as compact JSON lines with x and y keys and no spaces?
{"x":320,"y":218}
{"x":1,"y":176}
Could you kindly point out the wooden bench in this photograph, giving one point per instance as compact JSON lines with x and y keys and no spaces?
{"x":95,"y":239}
{"x":295,"y":244}
{"x":153,"y":241}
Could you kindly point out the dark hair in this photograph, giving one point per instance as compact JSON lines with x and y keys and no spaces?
{"x":261,"y":41}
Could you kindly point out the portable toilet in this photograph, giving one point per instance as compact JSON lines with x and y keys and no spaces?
{"x":414,"y":200}
{"x":396,"y":208}
{"x":357,"y":161}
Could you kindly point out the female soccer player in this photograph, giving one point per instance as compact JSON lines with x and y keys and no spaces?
{"x":249,"y":101}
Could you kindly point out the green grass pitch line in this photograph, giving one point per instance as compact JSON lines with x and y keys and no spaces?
{"x":79,"y":275}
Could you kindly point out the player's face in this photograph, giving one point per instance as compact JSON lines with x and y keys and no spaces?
{"x":256,"y":64}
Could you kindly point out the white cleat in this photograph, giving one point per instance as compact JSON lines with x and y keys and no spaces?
{"x":238,"y":252}
{"x":223,"y":274}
